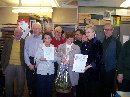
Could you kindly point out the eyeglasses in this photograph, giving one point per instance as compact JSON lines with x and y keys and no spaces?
{"x":108,"y":29}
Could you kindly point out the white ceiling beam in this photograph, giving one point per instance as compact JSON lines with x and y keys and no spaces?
{"x":68,"y":2}
{"x":108,"y":3}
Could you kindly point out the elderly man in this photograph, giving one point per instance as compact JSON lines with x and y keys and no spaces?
{"x":111,"y":50}
{"x":48,"y":29}
{"x":12,"y":61}
{"x":57,"y":39}
{"x":31,"y":44}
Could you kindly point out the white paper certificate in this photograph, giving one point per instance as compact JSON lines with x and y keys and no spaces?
{"x":79,"y":63}
{"x":49,"y":53}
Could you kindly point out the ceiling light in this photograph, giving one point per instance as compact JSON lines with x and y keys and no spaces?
{"x":125,"y":4}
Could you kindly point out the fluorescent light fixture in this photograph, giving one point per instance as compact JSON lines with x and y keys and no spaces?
{"x":32,"y":9}
{"x":54,"y":3}
{"x":125,"y":4}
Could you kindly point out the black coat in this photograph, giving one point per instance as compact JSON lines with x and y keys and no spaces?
{"x":92,"y":48}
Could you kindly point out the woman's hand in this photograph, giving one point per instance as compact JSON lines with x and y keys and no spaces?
{"x":64,"y":61}
{"x":42,"y":59}
{"x":87,"y":67}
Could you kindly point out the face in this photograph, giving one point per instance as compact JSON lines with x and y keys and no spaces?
{"x":47,"y":39}
{"x":84,"y":38}
{"x":58,"y":34}
{"x":18,"y":33}
{"x":69,"y":41}
{"x":89,"y":33}
{"x":78,"y":36}
{"x":36,"y":29}
{"x":108,"y":30}
{"x":49,"y":29}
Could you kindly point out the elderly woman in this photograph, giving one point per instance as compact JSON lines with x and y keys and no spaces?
{"x":90,"y":78}
{"x":69,"y":49}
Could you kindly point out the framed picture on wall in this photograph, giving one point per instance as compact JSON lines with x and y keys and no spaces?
{"x":31,"y":23}
{"x":24,"y":25}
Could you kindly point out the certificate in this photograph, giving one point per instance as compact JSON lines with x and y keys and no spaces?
{"x":79,"y":63}
{"x":49,"y":53}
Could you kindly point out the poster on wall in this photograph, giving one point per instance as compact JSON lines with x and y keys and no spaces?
{"x":24,"y":25}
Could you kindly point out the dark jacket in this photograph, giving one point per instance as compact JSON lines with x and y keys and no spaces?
{"x":123,"y":64}
{"x":5,"y":56}
{"x":92,"y":48}
{"x":111,"y":50}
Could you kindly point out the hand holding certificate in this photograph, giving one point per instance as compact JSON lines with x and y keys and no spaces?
{"x":79,"y":63}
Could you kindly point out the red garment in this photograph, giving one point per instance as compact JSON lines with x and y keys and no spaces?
{"x":56,"y":42}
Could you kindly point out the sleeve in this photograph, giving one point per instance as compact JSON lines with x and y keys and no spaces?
{"x":119,"y":46}
{"x":121,"y":58}
{"x":38,"y":55}
{"x":99,"y":51}
{"x":4,"y":53}
{"x":77,"y":51}
{"x":26,"y":52}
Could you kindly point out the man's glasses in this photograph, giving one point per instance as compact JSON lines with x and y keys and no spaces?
{"x":108,"y":29}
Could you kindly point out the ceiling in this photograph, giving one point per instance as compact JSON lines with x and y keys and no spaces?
{"x":92,"y":3}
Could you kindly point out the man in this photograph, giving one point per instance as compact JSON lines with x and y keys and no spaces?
{"x":31,"y":44}
{"x":124,"y":68}
{"x":111,"y":50}
{"x":78,"y":37}
{"x":12,"y":61}
{"x":57,"y":39}
{"x":48,"y":29}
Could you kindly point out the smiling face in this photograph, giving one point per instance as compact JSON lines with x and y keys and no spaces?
{"x":84,"y":38}
{"x":78,"y":35}
{"x":108,"y":30}
{"x":47,"y":38}
{"x":69,"y":41}
{"x":18,"y":33}
{"x":36,"y":29}
{"x":89,"y":33}
{"x":58,"y":32}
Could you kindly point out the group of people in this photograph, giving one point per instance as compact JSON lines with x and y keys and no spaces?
{"x":26,"y":56}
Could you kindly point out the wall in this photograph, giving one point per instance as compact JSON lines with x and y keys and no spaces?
{"x":64,"y":15}
{"x":6,"y":16}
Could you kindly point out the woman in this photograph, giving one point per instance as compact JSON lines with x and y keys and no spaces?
{"x":45,"y":67}
{"x":90,"y":78}
{"x":66,"y":54}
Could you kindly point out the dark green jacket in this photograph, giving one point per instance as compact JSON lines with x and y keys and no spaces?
{"x":124,"y":61}
{"x":5,"y":56}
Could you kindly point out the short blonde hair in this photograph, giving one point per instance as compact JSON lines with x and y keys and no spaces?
{"x":91,"y":26}
{"x":58,"y":28}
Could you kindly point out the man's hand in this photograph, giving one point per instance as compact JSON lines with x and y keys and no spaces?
{"x":120,"y":78}
{"x":31,"y":67}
